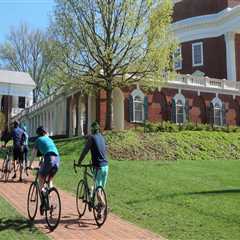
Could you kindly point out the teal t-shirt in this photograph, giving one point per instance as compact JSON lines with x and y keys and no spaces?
{"x":45,"y":145}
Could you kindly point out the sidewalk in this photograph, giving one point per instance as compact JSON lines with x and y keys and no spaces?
{"x":70,"y":226}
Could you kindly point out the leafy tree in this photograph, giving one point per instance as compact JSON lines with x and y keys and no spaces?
{"x":103,"y":44}
{"x":28,"y":50}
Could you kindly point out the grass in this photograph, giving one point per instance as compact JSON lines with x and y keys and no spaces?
{"x":14,"y":226}
{"x":190,"y":200}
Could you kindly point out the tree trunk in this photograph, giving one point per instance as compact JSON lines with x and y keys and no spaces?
{"x":108,"y":125}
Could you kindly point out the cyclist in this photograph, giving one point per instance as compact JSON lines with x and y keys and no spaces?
{"x":49,"y":167}
{"x":97,"y":145}
{"x":5,"y":136}
{"x":25,"y":148}
{"x":17,"y":136}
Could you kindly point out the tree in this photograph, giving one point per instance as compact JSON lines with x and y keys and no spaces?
{"x":27,"y":50}
{"x":105,"y":44}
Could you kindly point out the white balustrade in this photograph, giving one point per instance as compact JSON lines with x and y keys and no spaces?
{"x":205,"y":82}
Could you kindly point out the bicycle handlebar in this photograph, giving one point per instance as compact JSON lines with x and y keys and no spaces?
{"x":75,"y":165}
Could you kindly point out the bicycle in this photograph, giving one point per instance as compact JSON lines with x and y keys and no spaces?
{"x":6,"y":165}
{"x":96,"y":200}
{"x":50,"y":200}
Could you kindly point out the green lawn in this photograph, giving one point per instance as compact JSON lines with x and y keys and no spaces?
{"x":14,"y":226}
{"x":188,"y":200}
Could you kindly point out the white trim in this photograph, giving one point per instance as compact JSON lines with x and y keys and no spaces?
{"x":208,"y":26}
{"x":193,"y":55}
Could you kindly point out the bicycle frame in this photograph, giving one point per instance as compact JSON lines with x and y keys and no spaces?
{"x":86,"y":174}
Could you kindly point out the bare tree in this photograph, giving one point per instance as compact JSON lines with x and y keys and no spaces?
{"x":112,"y":43}
{"x":27,"y":50}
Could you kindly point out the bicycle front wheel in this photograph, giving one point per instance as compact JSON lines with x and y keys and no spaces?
{"x":3,"y":168}
{"x":100,"y":209}
{"x":81,"y":198}
{"x":9,"y":168}
{"x":53,"y":208}
{"x":32,"y":201}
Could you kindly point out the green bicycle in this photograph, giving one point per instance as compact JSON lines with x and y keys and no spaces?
{"x":96,"y":200}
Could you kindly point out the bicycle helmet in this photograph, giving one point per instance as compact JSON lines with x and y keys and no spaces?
{"x":95,"y":127}
{"x":41,"y":131}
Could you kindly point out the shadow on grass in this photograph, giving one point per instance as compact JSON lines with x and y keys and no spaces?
{"x":173,"y":195}
{"x":214,"y":192}
{"x":16,"y":224}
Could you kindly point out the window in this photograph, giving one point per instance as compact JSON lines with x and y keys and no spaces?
{"x":177,"y":59}
{"x":179,"y":110}
{"x":217,"y":112}
{"x":217,"y":115}
{"x":197,"y":54}
{"x":138,"y":109}
{"x":138,"y":106}
{"x":21,"y":102}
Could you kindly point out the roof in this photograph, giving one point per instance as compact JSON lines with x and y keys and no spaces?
{"x":18,"y":78}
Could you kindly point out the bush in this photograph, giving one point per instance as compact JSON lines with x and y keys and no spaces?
{"x":167,"y":126}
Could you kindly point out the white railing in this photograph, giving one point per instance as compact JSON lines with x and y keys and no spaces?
{"x":206,"y":82}
{"x":16,"y":111}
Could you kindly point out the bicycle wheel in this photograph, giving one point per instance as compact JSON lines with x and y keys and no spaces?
{"x":81,"y":198}
{"x":2,"y":173}
{"x":53,"y":208}
{"x":8,"y":168}
{"x":32,"y":201}
{"x":100,"y":209}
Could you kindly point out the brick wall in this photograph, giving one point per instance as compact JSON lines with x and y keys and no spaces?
{"x":159,"y":106}
{"x":191,"y":8}
{"x":214,"y":58}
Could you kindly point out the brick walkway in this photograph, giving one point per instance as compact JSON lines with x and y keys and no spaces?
{"x":70,"y":226}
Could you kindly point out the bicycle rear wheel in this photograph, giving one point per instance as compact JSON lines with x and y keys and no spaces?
{"x":53,"y":208}
{"x":100,"y":209}
{"x":32,"y":201}
{"x":81,"y":198}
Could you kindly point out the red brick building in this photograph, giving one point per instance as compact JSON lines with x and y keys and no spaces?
{"x":209,"y":45}
{"x":207,"y":89}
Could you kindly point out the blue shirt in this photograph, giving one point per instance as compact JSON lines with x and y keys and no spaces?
{"x":46,"y":145}
{"x":17,"y":135}
{"x":97,"y":145}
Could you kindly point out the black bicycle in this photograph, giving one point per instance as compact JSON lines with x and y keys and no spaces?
{"x":96,"y":199}
{"x":7,"y":165}
{"x":50,"y":202}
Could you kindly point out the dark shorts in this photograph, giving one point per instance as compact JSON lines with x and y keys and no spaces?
{"x":17,"y":153}
{"x":50,"y":165}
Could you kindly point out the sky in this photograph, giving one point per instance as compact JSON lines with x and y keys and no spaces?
{"x":35,"y":13}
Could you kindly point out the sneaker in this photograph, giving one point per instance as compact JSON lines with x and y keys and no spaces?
{"x":14,"y":176}
{"x":42,"y":209}
{"x":20,"y":179}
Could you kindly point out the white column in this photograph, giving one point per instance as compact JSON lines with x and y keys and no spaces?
{"x":231,"y":55}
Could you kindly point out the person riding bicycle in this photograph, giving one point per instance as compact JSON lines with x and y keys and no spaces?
{"x":25,"y":148}
{"x":5,"y":136}
{"x":97,"y":145}
{"x":49,"y":167}
{"x":18,"y":138}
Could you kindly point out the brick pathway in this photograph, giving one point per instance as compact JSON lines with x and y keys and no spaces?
{"x":70,"y":226}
